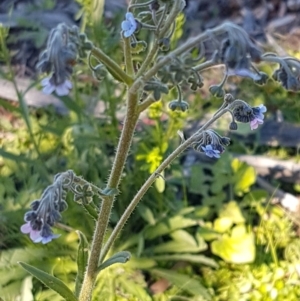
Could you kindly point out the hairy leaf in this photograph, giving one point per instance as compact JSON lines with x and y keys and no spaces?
{"x":50,"y":281}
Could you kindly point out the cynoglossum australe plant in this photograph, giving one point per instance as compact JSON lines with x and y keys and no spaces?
{"x":147,"y":80}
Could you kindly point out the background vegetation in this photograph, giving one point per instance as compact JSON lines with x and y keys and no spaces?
{"x":207,"y":232}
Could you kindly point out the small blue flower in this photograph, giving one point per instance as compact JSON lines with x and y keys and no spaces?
{"x":38,"y":235}
{"x":258,"y":116}
{"x":129,"y":26}
{"x":61,"y":90}
{"x":210,"y":151}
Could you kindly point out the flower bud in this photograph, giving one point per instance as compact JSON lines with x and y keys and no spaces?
{"x":228,"y":98}
{"x":82,"y":37}
{"x":138,"y":46}
{"x":293,"y":84}
{"x":225,"y":141}
{"x":217,"y":91}
{"x":233,"y":126}
{"x":263,"y":78}
{"x":275,"y":74}
{"x":154,"y":6}
{"x":88,"y":45}
{"x":99,"y":72}
{"x":164,"y":44}
{"x":176,"y":105}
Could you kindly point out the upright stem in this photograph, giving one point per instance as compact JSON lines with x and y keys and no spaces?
{"x":128,"y":57}
{"x":103,"y":217}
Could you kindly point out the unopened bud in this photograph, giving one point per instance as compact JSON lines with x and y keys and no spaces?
{"x":164,"y":44}
{"x":233,"y":126}
{"x":99,"y":72}
{"x":217,"y":91}
{"x":228,"y":98}
{"x":176,"y":105}
{"x":263,"y":78}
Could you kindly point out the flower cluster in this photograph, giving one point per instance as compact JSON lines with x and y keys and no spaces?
{"x":58,"y":59}
{"x":246,"y":114}
{"x":211,"y":143}
{"x":43,"y":215}
{"x":45,"y":212}
{"x":237,"y":52}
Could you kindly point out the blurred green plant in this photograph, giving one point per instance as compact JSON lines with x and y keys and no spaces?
{"x":212,"y":219}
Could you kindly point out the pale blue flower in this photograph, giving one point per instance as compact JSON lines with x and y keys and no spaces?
{"x":61,"y":89}
{"x":210,"y":151}
{"x":129,"y":26}
{"x":38,"y":235}
{"x":258,"y":116}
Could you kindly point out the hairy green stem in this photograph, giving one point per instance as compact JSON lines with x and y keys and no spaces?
{"x":112,"y":66}
{"x":176,"y":9}
{"x":107,"y":203}
{"x":151,"y":180}
{"x":146,"y":103}
{"x":128,"y":57}
{"x":149,"y":58}
{"x":204,"y":65}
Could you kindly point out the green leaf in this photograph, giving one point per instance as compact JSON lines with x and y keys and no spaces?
{"x":188,"y":257}
{"x":141,"y":263}
{"x":147,"y":214}
{"x":222,"y":224}
{"x":233,"y":212}
{"x":160,"y":183}
{"x":26,"y":289}
{"x":208,"y":233}
{"x":238,"y":248}
{"x":197,"y":180}
{"x":182,"y":242}
{"x":133,"y":288}
{"x":244,"y":176}
{"x":169,"y":225}
{"x":91,"y":210}
{"x":120,"y":257}
{"x":183,"y":282}
{"x":82,"y":259}
{"x":50,"y":281}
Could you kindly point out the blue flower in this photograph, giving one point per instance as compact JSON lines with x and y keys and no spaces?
{"x":38,"y":235}
{"x":211,"y":151}
{"x":129,"y":26}
{"x":258,"y":116}
{"x":44,"y":214}
{"x":62,"y":89}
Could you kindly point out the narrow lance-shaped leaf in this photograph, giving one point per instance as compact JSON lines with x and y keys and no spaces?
{"x":50,"y":281}
{"x":91,"y":211}
{"x":82,"y":258}
{"x":120,"y":257}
